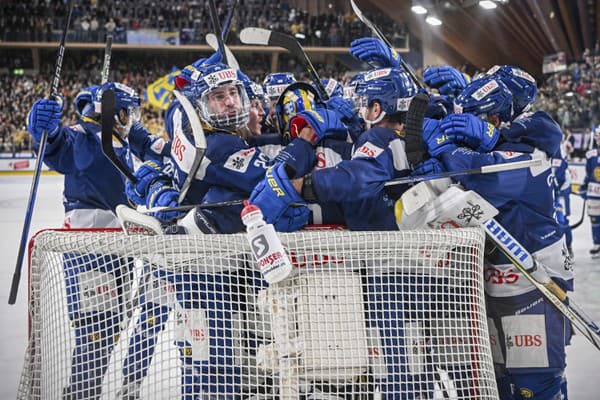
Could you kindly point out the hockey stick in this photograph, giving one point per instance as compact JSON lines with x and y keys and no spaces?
{"x":413,"y":128}
{"x":108,"y":122}
{"x":582,"y":218}
{"x":212,"y":41}
{"x":107,"y":56}
{"x":214,"y":17}
{"x":486,"y":169}
{"x":266,"y":37}
{"x":524,"y":262}
{"x":199,"y":142}
{"x":14,"y":288}
{"x":380,"y":35}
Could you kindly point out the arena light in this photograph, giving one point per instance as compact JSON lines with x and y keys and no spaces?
{"x":487,"y":4}
{"x":418,"y":9}
{"x":433,"y":20}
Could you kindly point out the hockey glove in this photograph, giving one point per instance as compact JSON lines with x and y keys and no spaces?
{"x":470,"y":130}
{"x":274,"y":196}
{"x":161,"y":194}
{"x":435,"y":142}
{"x":324,"y":122}
{"x":438,"y":107}
{"x":44,"y":116}
{"x":370,"y":49}
{"x":427,"y":167}
{"x":447,"y":80}
{"x":148,"y":173}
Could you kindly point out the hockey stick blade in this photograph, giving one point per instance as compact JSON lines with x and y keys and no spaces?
{"x":212,"y":41}
{"x":380,"y":35}
{"x":266,"y":37}
{"x":488,"y":169}
{"x":37,"y":170}
{"x":414,"y":128}
{"x":108,"y":122}
{"x":199,"y":142}
{"x":582,"y":218}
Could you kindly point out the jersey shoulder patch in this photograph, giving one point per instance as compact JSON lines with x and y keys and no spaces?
{"x":507,"y":155}
{"x":240,"y":160}
{"x":367,"y":149}
{"x":591,"y":153}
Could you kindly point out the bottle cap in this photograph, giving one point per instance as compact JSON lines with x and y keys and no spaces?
{"x":249,"y":210}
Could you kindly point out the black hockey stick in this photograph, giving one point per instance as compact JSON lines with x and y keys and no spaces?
{"x":108,"y":122}
{"x":266,"y":37}
{"x":214,"y":17}
{"x":380,"y":35}
{"x":199,"y":142}
{"x":486,"y":169}
{"x":14,"y":288}
{"x":413,"y":128}
{"x":107,"y":56}
{"x":227,"y":23}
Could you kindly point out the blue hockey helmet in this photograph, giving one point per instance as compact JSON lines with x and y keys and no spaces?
{"x":521,"y":84}
{"x":125,"y":99}
{"x":253,"y":89}
{"x":296,"y":97}
{"x":275,"y":83}
{"x":350,"y":88}
{"x":332,"y":87}
{"x":84,"y":101}
{"x":219,"y":96}
{"x":392,"y":88}
{"x":484,"y":97}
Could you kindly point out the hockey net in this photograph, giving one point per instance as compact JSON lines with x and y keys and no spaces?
{"x":363,"y":315}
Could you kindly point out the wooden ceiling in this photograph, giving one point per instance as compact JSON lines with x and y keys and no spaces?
{"x":519,"y":33}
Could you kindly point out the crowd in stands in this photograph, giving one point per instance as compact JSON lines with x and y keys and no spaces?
{"x":42,"y":20}
{"x":19,"y":92}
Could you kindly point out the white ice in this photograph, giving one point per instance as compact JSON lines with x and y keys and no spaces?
{"x":583,"y":359}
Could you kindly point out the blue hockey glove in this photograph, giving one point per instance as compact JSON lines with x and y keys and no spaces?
{"x":447,"y":80}
{"x":147,"y":174}
{"x":370,"y":49}
{"x":435,"y":141}
{"x":439,"y":107}
{"x":274,"y":196}
{"x":44,"y":116}
{"x":427,"y":167}
{"x":344,"y":109}
{"x":161,"y":194}
{"x":324,"y":122}
{"x":470,"y":130}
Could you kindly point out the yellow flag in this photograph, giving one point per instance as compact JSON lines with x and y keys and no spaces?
{"x":158,"y":93}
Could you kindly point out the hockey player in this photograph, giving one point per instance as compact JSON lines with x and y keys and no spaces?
{"x":378,"y":156}
{"x":528,"y":334}
{"x":92,"y":190}
{"x":562,"y":191}
{"x":591,"y":190}
{"x":273,"y":85}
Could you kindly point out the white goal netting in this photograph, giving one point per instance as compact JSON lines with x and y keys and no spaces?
{"x":364,"y":315}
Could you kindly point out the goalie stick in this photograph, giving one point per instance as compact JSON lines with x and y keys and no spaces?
{"x":12,"y":297}
{"x":199,"y":142}
{"x":108,"y":122}
{"x":582,"y":218}
{"x":524,"y":262}
{"x":266,"y":37}
{"x":380,"y":35}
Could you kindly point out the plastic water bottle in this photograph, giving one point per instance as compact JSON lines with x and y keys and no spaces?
{"x":266,"y":246}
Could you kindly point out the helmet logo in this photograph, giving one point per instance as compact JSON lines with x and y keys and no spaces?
{"x":219,"y":77}
{"x":522,"y":74}
{"x":125,"y":88}
{"x":378,"y":73}
{"x":403,"y":103}
{"x":485,"y":90}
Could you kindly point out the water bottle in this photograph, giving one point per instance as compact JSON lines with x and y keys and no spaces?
{"x":268,"y":250}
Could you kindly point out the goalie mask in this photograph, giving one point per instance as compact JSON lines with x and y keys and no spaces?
{"x":297,"y":97}
{"x":485,"y":97}
{"x":127,"y":106}
{"x":220,"y":97}
{"x":84,"y":101}
{"x":520,"y":83}
{"x":392,"y":88}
